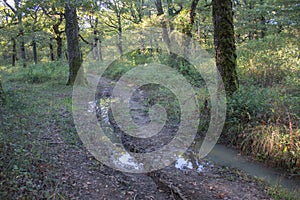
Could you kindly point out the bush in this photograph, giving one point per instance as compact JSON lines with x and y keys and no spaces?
{"x":40,"y":73}
{"x":269,"y":61}
{"x":264,"y":123}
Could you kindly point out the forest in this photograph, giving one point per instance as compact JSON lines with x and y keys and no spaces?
{"x":149,"y":99}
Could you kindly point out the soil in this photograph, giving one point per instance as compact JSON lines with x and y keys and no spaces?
{"x":82,"y":177}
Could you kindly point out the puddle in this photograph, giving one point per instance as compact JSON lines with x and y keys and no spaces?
{"x":92,"y":108}
{"x":101,"y":108}
{"x":183,"y":164}
{"x":220,"y":155}
{"x":225,"y":156}
{"x":127,"y":161}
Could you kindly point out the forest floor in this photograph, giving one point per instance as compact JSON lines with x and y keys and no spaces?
{"x":42,"y":157}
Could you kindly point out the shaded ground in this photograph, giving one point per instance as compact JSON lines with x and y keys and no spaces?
{"x":85,"y":178}
{"x":59,"y":166}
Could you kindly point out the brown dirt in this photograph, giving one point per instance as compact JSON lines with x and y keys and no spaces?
{"x":82,"y":177}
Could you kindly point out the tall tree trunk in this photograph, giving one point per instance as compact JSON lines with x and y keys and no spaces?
{"x":95,"y":50}
{"x":22,"y":42}
{"x":159,"y":8}
{"x":140,"y":10}
{"x":188,"y":30}
{"x":100,"y":51}
{"x":58,"y":38}
{"x":14,"y":52}
{"x":74,"y":54}
{"x":22,"y":48}
{"x":170,"y":7}
{"x":96,"y":40}
{"x":120,"y":34}
{"x":19,"y":15}
{"x":34,"y":50}
{"x":263,"y":22}
{"x":51,"y":49}
{"x":164,"y":25}
{"x":2,"y":94}
{"x":192,"y":15}
{"x":250,"y":33}
{"x":59,"y":47}
{"x":224,"y":42}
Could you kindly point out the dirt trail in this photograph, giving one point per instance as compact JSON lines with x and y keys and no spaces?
{"x":83,"y":177}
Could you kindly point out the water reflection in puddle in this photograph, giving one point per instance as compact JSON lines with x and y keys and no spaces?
{"x":185,"y":162}
{"x":101,"y":108}
{"x":220,"y":154}
{"x":127,"y":161}
{"x":92,"y":107}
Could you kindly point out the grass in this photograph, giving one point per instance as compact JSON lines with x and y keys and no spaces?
{"x":262,"y":119}
{"x":264,"y":115}
{"x":35,"y":102}
{"x":279,"y":193}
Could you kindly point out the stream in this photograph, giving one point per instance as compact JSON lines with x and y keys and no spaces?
{"x":220,"y":155}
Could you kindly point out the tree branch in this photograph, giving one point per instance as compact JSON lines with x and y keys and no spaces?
{"x":84,"y":40}
{"x":12,"y":9}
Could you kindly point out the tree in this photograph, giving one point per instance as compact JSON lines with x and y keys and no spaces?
{"x":160,"y":13}
{"x":224,"y":43}
{"x":90,"y":15}
{"x":74,"y":53}
{"x":51,"y":49}
{"x":33,"y":12}
{"x":17,"y":10}
{"x":2,"y":94}
{"x":118,"y":8}
{"x":57,"y":17}
{"x":192,"y":13}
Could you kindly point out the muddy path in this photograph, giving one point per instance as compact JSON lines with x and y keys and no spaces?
{"x":82,"y":177}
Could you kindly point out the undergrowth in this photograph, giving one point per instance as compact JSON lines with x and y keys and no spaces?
{"x":34,"y":103}
{"x":263,"y":117}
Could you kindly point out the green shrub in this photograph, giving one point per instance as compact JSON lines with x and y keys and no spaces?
{"x":269,"y":61}
{"x":264,"y":123}
{"x":40,"y":73}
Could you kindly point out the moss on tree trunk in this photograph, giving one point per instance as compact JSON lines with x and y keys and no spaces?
{"x":224,"y":42}
{"x":74,"y":54}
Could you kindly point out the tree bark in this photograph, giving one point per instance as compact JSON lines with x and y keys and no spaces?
{"x":21,"y":31}
{"x":59,"y":44}
{"x":96,"y":41}
{"x":74,"y":54}
{"x":170,"y":8}
{"x":100,"y":50}
{"x":58,"y":38}
{"x":34,"y":50}
{"x":120,"y":34}
{"x":51,"y":49}
{"x":140,"y":10}
{"x":164,"y":26}
{"x":159,"y":8}
{"x":2,"y":94}
{"x":18,"y":14}
{"x":22,"y":48}
{"x":263,"y":22}
{"x":188,"y":29}
{"x":22,"y":42}
{"x":192,"y":11}
{"x":224,"y":43}
{"x":14,"y":52}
